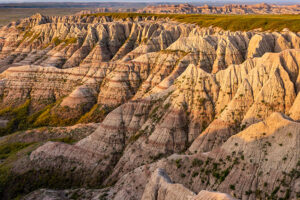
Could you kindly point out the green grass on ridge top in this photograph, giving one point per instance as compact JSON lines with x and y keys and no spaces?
{"x":226,"y":22}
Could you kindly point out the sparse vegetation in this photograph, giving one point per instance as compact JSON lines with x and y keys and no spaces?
{"x":67,"y":140}
{"x":170,"y":51}
{"x":21,"y":118}
{"x":136,"y":136}
{"x":103,"y":196}
{"x":57,"y":41}
{"x":157,"y":157}
{"x":197,"y":163}
{"x":195,"y":174}
{"x":178,"y":163}
{"x":70,"y":41}
{"x":96,"y":114}
{"x":7,"y":150}
{"x":18,"y":118}
{"x":55,"y":115}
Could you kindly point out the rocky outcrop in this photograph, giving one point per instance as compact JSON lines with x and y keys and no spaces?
{"x":185,"y":8}
{"x":250,"y":101}
{"x":106,"y":9}
{"x":119,"y":59}
{"x":166,"y":122}
{"x":226,"y":169}
{"x":160,"y":187}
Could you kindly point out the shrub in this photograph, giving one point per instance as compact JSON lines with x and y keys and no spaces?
{"x":178,"y":163}
{"x":196,"y":162}
{"x":232,"y":187}
{"x":195,"y":174}
{"x":224,"y":174}
{"x":157,"y":157}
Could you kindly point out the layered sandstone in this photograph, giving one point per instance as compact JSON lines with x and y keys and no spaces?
{"x":166,"y":122}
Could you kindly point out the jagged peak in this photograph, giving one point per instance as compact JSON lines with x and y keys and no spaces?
{"x":37,"y":15}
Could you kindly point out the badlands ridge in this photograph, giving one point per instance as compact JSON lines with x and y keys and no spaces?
{"x":148,"y":108}
{"x":186,"y":8}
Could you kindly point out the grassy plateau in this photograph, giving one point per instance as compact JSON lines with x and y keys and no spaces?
{"x":226,"y":22}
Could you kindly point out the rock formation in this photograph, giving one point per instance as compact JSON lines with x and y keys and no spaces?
{"x":182,"y":112}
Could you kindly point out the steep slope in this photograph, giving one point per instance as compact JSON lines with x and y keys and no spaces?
{"x":267,"y":150}
{"x":147,"y":130}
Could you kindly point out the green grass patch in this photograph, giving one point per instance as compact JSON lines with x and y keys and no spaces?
{"x":27,"y":34}
{"x":70,"y":41}
{"x":4,"y":178}
{"x":226,"y":22}
{"x":67,"y":140}
{"x":36,"y":36}
{"x":50,"y":118}
{"x":170,"y":51}
{"x":18,"y":118}
{"x":44,"y":118}
{"x":96,"y":114}
{"x":66,"y":42}
{"x":56,"y":41}
{"x":21,"y":119}
{"x":135,"y":137}
{"x":7,"y":150}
